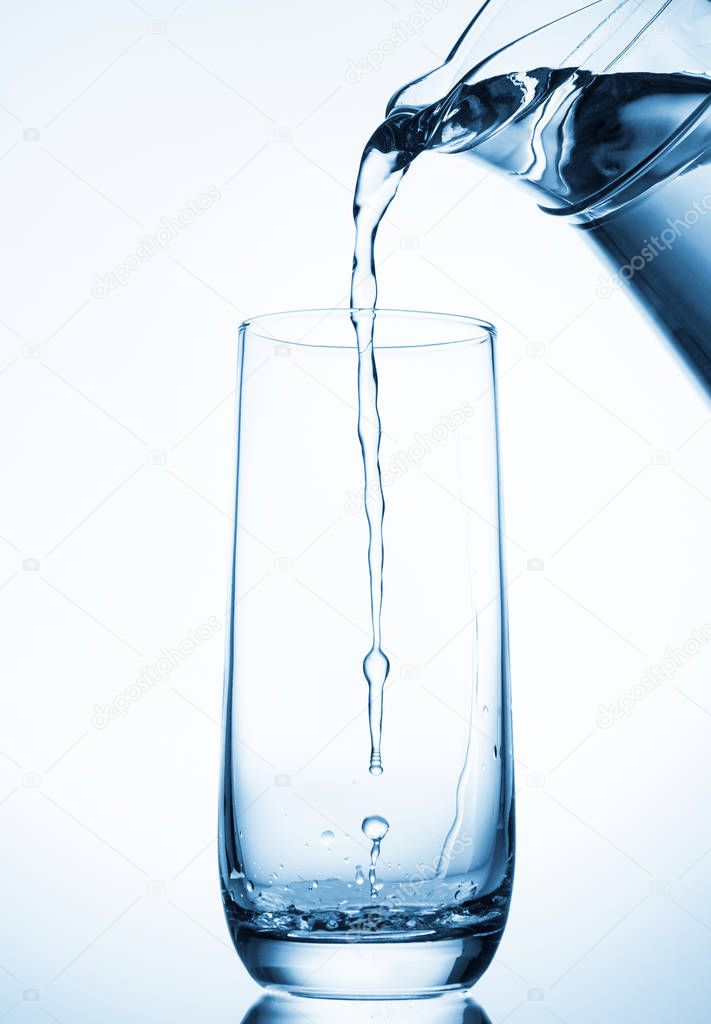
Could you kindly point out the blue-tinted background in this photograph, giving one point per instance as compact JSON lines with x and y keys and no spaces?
{"x":117,"y":412}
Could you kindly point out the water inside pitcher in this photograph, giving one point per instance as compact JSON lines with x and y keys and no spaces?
{"x":605,"y":112}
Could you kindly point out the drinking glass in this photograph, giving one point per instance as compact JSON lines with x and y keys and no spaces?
{"x":337,"y":882}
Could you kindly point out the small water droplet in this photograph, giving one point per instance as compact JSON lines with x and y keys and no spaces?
{"x":359,"y":876}
{"x":485,"y":711}
{"x":375,"y":827}
{"x":496,"y":752}
{"x":346,"y":860}
{"x":249,"y":886}
{"x":327,"y":837}
{"x":313,"y":885}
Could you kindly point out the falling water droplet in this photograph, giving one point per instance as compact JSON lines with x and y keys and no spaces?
{"x":374,"y":828}
{"x":327,"y":837}
{"x":359,"y":876}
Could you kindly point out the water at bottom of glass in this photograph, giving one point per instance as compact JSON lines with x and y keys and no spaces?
{"x":380,"y":952}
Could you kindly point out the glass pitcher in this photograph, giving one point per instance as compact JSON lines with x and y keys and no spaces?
{"x":605,"y":111}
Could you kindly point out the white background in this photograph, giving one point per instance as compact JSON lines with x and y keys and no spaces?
{"x":114,"y":116}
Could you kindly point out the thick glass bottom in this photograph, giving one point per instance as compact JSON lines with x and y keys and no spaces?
{"x":376,"y":969}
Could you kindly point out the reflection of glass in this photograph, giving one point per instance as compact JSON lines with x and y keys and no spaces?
{"x":336,"y":882}
{"x":285,"y":1009}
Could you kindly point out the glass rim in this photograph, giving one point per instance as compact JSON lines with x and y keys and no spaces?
{"x":478,"y":331}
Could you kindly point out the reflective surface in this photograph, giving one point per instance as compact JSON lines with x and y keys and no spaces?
{"x":285,"y":1009}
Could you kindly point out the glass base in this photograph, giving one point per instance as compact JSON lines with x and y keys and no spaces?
{"x":378,"y":969}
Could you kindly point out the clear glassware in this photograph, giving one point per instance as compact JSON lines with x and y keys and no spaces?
{"x":336,"y":882}
{"x":606,"y":115}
